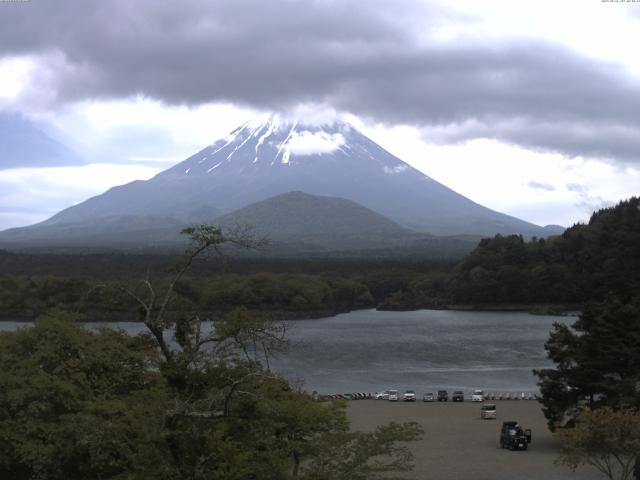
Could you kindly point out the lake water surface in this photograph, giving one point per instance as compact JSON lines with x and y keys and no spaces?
{"x":424,"y":350}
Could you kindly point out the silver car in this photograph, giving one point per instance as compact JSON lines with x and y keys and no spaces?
{"x":384,"y":395}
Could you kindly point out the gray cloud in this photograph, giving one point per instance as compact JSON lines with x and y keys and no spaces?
{"x":354,"y":55}
{"x":587,"y":202}
{"x":541,"y":186}
{"x":576,"y":187}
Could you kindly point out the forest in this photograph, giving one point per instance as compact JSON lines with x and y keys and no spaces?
{"x":585,"y":263}
{"x":177,"y":401}
{"x":93,"y":283}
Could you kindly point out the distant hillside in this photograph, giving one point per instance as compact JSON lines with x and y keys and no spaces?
{"x":585,"y":263}
{"x":119,"y":232}
{"x":327,"y":222}
{"x":295,"y":224}
{"x":299,"y":224}
{"x":22,"y":144}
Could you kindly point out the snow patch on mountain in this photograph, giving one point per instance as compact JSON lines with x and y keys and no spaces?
{"x":314,"y":143}
{"x":281,"y":149}
{"x":214,"y":167}
{"x":271,"y":127}
{"x":395,"y":169}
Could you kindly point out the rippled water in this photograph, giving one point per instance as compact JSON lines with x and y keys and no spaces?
{"x":424,"y":350}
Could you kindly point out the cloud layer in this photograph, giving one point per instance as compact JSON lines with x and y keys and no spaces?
{"x":382,"y":60}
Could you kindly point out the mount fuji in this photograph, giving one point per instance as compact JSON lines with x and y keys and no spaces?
{"x":263,"y":159}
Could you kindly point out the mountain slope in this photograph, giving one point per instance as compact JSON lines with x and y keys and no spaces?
{"x":263,"y":159}
{"x":329,"y":222}
{"x":295,"y":224}
{"x":123,"y":231}
{"x":22,"y":144}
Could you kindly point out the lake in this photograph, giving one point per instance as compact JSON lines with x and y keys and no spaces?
{"x":423,"y":350}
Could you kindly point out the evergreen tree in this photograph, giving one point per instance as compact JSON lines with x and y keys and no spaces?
{"x":597,"y":362}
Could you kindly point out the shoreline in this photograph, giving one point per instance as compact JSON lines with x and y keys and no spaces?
{"x":116,"y":316}
{"x":561,"y":310}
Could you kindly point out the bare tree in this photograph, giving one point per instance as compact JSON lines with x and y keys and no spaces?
{"x":237,"y":345}
{"x":203,"y":240}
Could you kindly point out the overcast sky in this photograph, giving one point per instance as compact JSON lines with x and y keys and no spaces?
{"x":530,"y":108}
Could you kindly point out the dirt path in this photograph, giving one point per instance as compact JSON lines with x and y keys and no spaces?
{"x":458,"y":445}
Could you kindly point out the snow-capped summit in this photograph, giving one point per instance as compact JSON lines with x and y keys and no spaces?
{"x":275,"y":142}
{"x":272,"y":156}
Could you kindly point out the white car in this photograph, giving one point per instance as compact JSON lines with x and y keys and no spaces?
{"x":393,"y":396}
{"x":382,"y":395}
{"x":478,"y":396}
{"x":409,"y":396}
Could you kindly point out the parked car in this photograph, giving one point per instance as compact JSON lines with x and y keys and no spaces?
{"x":477,"y":396}
{"x":384,"y":395}
{"x":488,"y":411}
{"x":443,"y":396}
{"x":409,"y":396}
{"x":513,"y":437}
{"x":427,"y":397}
{"x":393,"y":396}
{"x":458,"y":396}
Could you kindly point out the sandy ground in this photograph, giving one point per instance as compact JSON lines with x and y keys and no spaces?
{"x":458,"y":444}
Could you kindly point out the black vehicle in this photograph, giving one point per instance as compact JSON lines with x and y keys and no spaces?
{"x":513,"y":437}
{"x":458,"y":396}
{"x":443,"y":396}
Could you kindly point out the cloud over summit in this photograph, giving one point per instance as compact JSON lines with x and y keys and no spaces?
{"x":380,"y":60}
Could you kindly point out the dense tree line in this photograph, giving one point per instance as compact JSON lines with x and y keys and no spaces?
{"x":267,"y":292}
{"x":183,"y":400}
{"x":305,"y":291}
{"x":113,"y":265}
{"x":585,"y":263}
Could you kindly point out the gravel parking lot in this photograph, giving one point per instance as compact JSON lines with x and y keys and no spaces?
{"x":459,"y":445}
